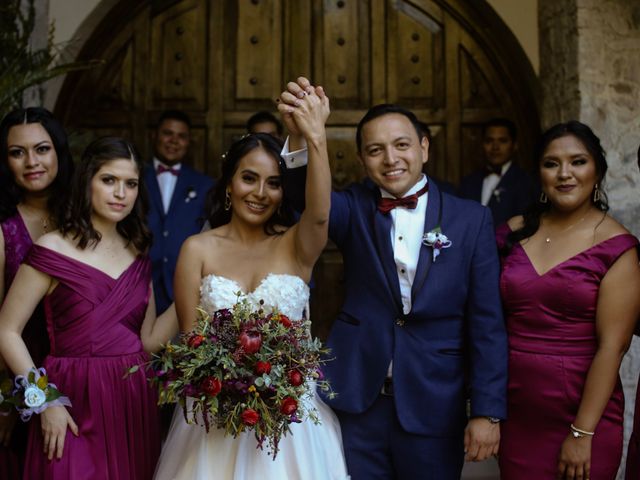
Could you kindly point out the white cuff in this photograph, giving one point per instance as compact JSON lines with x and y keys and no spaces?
{"x":294,"y":159}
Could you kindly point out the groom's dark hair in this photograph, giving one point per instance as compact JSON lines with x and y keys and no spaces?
{"x":384,"y":109}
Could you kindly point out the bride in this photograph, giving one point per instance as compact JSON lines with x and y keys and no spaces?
{"x":255,"y":248}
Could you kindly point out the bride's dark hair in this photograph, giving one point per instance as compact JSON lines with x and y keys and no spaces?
{"x":217,"y":215}
{"x":531,"y":217}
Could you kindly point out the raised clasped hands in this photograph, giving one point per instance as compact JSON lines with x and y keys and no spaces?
{"x":54,"y":421}
{"x":574,"y":461}
{"x":481,"y":439}
{"x":304,"y":109}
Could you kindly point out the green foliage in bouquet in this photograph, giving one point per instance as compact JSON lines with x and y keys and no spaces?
{"x":22,"y":66}
{"x":243,"y":369}
{"x":6,"y":392}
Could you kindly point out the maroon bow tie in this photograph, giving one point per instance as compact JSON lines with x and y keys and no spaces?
{"x":385,"y":205}
{"x":162,"y":169}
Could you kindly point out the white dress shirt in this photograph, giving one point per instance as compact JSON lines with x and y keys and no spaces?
{"x":166,"y":182}
{"x":490,"y":183}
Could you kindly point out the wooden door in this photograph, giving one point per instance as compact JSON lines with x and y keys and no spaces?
{"x":453,"y":63}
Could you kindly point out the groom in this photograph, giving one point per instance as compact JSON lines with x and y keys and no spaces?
{"x":421,"y":328}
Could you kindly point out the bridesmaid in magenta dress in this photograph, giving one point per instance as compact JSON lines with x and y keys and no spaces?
{"x":570,"y":282}
{"x":95,"y":278}
{"x":36,"y":165}
{"x":633,"y":453}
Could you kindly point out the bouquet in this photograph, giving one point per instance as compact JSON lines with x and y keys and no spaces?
{"x":242,"y":369}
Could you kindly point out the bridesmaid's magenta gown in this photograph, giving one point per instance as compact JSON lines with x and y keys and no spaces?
{"x":94,"y":324}
{"x":17,"y":243}
{"x":552,"y":340}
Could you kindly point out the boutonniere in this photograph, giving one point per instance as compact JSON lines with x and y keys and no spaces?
{"x":497,"y":192}
{"x":191,"y":195}
{"x":436,"y":240}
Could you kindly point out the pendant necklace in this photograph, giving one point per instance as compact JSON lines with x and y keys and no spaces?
{"x":548,"y":239}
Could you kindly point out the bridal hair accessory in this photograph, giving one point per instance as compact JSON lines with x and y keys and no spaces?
{"x":34,"y":394}
{"x":436,"y":240}
{"x":243,"y":369}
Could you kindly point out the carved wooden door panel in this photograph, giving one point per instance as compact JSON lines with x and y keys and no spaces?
{"x":452,"y":62}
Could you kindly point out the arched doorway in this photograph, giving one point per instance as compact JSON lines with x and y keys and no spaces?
{"x":452,"y":62}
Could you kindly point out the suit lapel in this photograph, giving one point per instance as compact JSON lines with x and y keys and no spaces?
{"x":382,"y":236}
{"x":154,"y":189}
{"x":425,"y":259}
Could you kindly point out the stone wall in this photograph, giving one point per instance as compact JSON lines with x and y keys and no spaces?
{"x":589,"y":69}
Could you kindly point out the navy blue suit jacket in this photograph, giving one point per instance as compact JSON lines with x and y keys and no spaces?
{"x":184,"y":218}
{"x":453,"y":342}
{"x":512,"y":196}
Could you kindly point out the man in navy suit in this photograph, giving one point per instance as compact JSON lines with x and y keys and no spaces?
{"x":421,"y":329}
{"x":177,"y":194}
{"x":501,"y":184}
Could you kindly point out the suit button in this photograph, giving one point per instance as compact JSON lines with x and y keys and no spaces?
{"x":165,"y":259}
{"x":165,"y":233}
{"x":400,"y":322}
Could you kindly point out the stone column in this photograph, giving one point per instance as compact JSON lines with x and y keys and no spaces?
{"x":589,"y":69}
{"x":39,"y":38}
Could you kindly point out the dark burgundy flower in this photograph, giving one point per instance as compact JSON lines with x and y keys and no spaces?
{"x":190,"y":391}
{"x":250,"y":417}
{"x":250,"y":342}
{"x":288,"y":406}
{"x":295,"y":378}
{"x":195,"y":341}
{"x":263,"y":367}
{"x":284,"y":320}
{"x":211,"y":386}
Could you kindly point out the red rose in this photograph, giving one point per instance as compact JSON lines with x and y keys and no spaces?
{"x":211,"y":386}
{"x":288,"y":406}
{"x":250,"y":342}
{"x":250,"y":417}
{"x":263,"y":367}
{"x":195,"y":341}
{"x":284,"y":320}
{"x":295,"y":378}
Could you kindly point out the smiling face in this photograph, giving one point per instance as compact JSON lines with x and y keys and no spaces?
{"x":256,"y":187}
{"x":498,"y":145}
{"x":31,"y":157}
{"x":172,"y":141}
{"x":392,"y":154}
{"x":114,"y":190}
{"x":568,"y":173}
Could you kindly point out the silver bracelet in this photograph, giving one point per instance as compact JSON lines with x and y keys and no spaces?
{"x":578,"y":433}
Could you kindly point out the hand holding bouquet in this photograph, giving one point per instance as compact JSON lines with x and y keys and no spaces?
{"x":242,"y":369}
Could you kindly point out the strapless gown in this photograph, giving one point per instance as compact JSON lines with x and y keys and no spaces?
{"x":552,"y":341}
{"x":309,"y":452}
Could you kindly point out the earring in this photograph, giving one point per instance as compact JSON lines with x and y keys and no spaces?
{"x":596,"y":194}
{"x":227,"y":200}
{"x":543,"y":197}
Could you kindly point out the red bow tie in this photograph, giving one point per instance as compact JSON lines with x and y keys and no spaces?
{"x":162,"y":169}
{"x":385,"y":205}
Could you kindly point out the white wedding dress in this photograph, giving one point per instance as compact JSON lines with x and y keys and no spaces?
{"x":310,"y":452}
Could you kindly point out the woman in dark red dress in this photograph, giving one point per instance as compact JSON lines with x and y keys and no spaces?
{"x":569,"y":283}
{"x":36,"y":167}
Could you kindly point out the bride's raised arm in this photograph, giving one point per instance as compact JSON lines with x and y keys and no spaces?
{"x":309,"y":112}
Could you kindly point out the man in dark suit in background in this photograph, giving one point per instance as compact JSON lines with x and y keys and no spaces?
{"x":177,"y":195}
{"x":501,"y":185}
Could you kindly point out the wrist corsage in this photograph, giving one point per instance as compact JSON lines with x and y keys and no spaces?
{"x":436,"y":240}
{"x":34,"y":394}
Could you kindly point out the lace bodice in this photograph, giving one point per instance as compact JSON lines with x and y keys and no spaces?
{"x":288,"y":293}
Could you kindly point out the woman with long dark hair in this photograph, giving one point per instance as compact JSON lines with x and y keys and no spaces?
{"x":94,"y":276}
{"x":36,"y":168}
{"x":569,"y":283}
{"x":256,"y":252}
